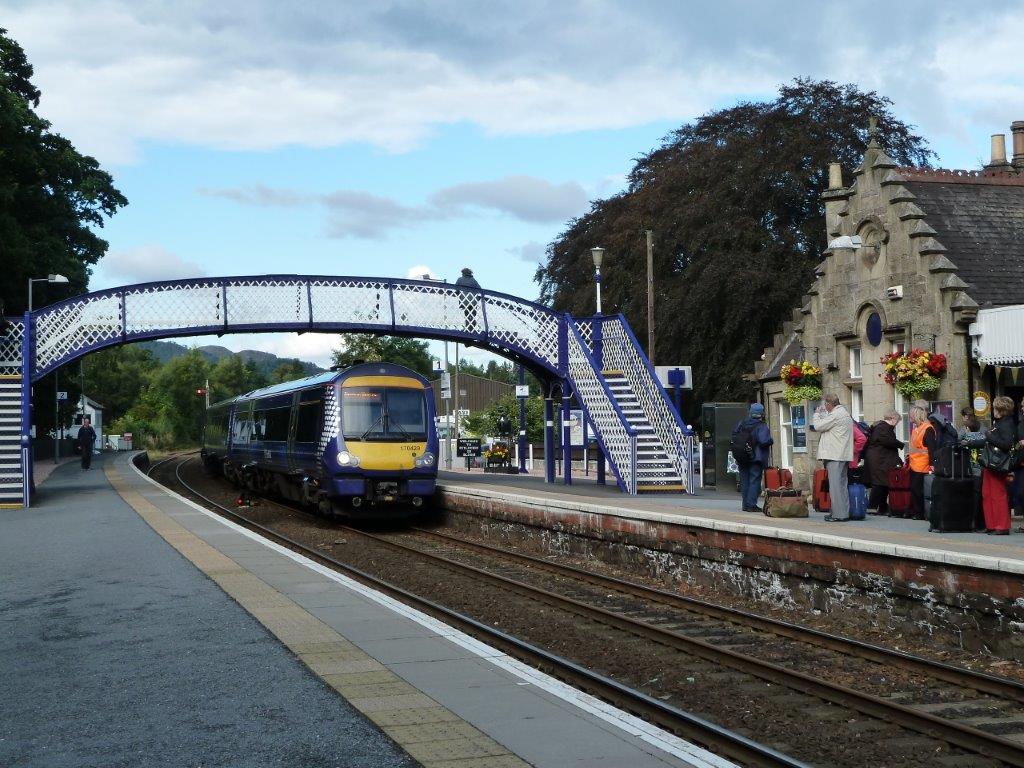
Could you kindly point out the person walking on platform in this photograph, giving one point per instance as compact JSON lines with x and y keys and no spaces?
{"x":995,"y":474}
{"x":881,"y":456}
{"x":751,"y":447}
{"x":835,"y":451}
{"x":469,"y":300}
{"x":920,"y":456}
{"x":86,"y":440}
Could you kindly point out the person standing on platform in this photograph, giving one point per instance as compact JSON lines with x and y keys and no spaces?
{"x":751,"y":447}
{"x":996,"y":480}
{"x":920,"y":456}
{"x":86,"y":440}
{"x":835,"y":451}
{"x":881,"y":456}
{"x":467,"y":300}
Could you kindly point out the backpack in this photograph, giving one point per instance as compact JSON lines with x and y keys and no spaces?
{"x":743,"y":444}
{"x":865,"y":429}
{"x":945,"y":433}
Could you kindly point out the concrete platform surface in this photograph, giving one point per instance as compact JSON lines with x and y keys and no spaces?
{"x":718,"y":511}
{"x":121,"y":652}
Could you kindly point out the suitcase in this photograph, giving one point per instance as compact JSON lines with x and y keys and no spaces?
{"x":775,"y":477}
{"x":785,"y":502}
{"x":952,"y":504}
{"x":822,"y":501}
{"x":858,"y":501}
{"x":900,"y":501}
{"x":953,"y":461}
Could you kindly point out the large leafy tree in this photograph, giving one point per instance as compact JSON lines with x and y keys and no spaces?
{"x":412,"y":353}
{"x":289,"y":370}
{"x":231,"y":377}
{"x":734,"y":202}
{"x":51,"y":197}
{"x":116,"y":377}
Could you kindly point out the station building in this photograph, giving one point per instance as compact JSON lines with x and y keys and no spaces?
{"x":917,"y":258}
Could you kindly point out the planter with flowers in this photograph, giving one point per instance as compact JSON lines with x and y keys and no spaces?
{"x":914,"y":373}
{"x":803,"y":381}
{"x":497,"y":458}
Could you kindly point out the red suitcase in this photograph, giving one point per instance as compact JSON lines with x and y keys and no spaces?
{"x":776,"y":478}
{"x":900,"y":501}
{"x":822,"y":501}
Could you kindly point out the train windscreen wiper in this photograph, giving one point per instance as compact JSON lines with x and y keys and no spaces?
{"x":369,"y":429}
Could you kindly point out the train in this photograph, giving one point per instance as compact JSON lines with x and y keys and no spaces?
{"x":357,"y":443}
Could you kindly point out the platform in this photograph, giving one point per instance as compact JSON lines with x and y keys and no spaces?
{"x":139,"y":629}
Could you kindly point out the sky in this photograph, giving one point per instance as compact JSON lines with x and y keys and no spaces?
{"x":400,"y":138}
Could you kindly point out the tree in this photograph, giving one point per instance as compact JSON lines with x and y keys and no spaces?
{"x":485,"y":422}
{"x":51,"y":197}
{"x":288,"y":370}
{"x":231,"y":377}
{"x":411,"y":353}
{"x":115,"y":377}
{"x":180,"y":411}
{"x":734,"y":202}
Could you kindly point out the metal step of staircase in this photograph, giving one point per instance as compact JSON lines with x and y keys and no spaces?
{"x":12,"y":473}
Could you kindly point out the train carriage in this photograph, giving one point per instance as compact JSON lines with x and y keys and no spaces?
{"x":359,"y":442}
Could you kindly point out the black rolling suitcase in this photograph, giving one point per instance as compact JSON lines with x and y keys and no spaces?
{"x":952,"y":505}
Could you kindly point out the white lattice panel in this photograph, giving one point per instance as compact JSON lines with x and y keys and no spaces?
{"x":251,"y":302}
{"x":434,"y":306}
{"x":67,"y":329}
{"x":586,"y":329}
{"x":161,"y":307}
{"x":349,"y":301}
{"x":601,"y":409}
{"x":622,"y":353}
{"x":10,"y":348}
{"x":524,"y":325}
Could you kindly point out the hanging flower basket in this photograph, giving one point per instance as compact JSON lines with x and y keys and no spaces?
{"x":803,"y":381}
{"x":914,"y":373}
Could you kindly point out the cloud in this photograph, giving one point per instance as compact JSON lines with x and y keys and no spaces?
{"x":527,"y":198}
{"x":244,"y":75}
{"x":145,"y":263}
{"x":352,"y":213}
{"x":417,"y":272}
{"x":532,"y":252}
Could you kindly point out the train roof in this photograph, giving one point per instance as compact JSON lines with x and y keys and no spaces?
{"x":312,"y":381}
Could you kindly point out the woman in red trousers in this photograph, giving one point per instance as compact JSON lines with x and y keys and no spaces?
{"x":995,"y":486}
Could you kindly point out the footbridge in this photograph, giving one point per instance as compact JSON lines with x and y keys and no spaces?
{"x":594,"y":360}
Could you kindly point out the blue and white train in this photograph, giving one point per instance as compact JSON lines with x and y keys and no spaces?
{"x":358,"y":443}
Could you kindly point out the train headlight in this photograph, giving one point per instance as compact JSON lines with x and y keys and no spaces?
{"x":346,"y":459}
{"x":424,"y":460}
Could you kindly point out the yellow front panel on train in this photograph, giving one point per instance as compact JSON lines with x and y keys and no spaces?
{"x":386,"y":456}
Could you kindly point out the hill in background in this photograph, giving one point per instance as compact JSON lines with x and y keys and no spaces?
{"x":265,"y":362}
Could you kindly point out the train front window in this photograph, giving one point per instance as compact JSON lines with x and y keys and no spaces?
{"x":383,"y":414}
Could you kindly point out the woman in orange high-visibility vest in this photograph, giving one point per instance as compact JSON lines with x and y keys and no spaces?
{"x":919,"y":457}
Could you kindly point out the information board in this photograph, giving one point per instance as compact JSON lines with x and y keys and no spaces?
{"x":468,"y":447}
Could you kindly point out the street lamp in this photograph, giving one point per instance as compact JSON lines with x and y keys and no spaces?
{"x":56,"y":394}
{"x":597,"y":254}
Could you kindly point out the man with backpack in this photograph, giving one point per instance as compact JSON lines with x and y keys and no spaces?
{"x":751,"y":447}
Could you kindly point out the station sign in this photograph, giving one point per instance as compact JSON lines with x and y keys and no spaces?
{"x":672,"y":376}
{"x":468,"y":447}
{"x":62,"y":395}
{"x":522,"y":390}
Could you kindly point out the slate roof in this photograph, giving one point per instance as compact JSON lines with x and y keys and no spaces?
{"x":981,"y":223}
{"x":790,"y":351}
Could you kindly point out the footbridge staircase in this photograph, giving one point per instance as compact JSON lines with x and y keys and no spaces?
{"x":595,"y":361}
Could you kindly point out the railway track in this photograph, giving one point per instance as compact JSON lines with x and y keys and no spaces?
{"x":726,"y":638}
{"x":685,"y":724}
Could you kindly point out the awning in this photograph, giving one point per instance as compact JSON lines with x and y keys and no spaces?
{"x":997,"y":337}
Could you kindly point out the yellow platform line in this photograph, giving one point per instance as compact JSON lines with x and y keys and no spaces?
{"x":431,"y":734}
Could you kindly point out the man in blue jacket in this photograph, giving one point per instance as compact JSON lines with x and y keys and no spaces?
{"x":751,"y":447}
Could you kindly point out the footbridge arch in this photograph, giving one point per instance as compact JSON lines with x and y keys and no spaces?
{"x":637,"y":429}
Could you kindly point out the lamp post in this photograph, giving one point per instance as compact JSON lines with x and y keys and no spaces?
{"x":56,"y":402}
{"x":447,"y":400}
{"x":597,"y":254}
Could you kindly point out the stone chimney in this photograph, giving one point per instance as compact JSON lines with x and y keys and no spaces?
{"x":1018,"y":143}
{"x":998,"y":161}
{"x":835,"y":171}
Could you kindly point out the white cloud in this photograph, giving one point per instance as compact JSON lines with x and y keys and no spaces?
{"x":417,"y":272}
{"x":532,"y":252}
{"x":254,"y":75}
{"x":143,"y":264}
{"x":351,"y":213}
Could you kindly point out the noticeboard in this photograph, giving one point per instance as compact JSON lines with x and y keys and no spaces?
{"x":468,"y":447}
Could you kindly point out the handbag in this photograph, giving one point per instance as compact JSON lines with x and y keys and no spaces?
{"x":995,"y":459}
